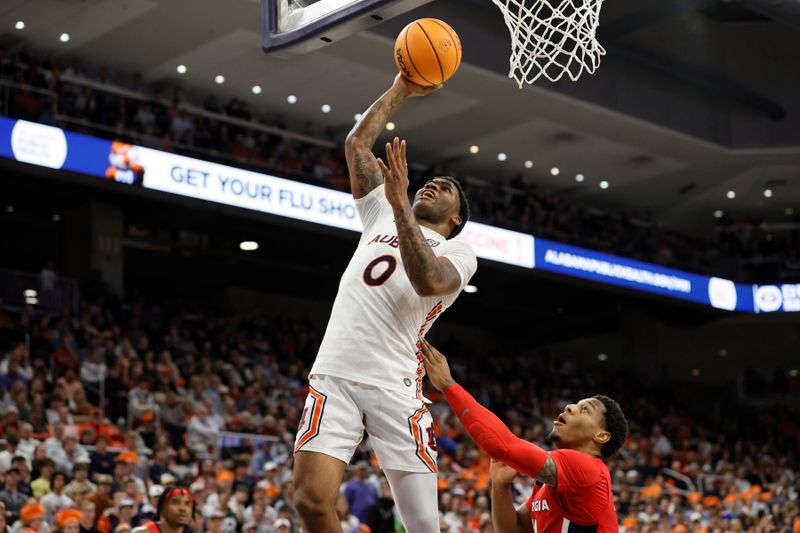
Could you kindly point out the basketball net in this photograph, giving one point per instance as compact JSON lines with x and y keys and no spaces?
{"x":551,"y":38}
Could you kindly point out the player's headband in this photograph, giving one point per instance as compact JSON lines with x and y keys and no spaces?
{"x":178,"y":492}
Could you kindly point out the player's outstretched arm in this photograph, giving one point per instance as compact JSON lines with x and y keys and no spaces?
{"x":365,"y":174}
{"x":429,"y":275}
{"x":484,"y":427}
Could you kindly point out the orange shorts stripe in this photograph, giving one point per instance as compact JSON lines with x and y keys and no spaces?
{"x":316,"y":418}
{"x":417,"y":433}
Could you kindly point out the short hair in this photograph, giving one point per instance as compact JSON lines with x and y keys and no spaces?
{"x":463,"y":209}
{"x":615,"y":423}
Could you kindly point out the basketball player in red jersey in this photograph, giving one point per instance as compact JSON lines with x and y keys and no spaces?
{"x":174,"y":512}
{"x":574,"y":494}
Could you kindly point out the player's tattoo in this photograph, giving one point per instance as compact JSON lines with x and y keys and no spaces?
{"x":365,"y":174}
{"x":427,"y":274}
{"x":549,"y":473}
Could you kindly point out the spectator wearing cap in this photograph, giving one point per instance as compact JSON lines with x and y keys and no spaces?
{"x":41,"y":485}
{"x":10,"y":495}
{"x":32,"y":516}
{"x":68,"y":521}
{"x":80,"y":483}
{"x":150,"y":506}
{"x":284,"y":525}
{"x":101,"y":498}
{"x":214,"y":520}
{"x":124,"y":467}
{"x":126,"y":511}
{"x":57,"y":498}
{"x":360,"y":493}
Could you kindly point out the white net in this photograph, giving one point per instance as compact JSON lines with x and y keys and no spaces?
{"x":551,"y":38}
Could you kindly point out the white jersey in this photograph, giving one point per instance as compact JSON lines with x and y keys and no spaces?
{"x":378,"y":318}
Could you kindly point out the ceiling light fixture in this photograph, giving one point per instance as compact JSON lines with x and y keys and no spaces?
{"x":731,"y":195}
{"x":579,"y":178}
{"x":64,"y":38}
{"x":767,"y":193}
{"x":292,"y":99}
{"x":502,"y":156}
{"x":256,"y":89}
{"x":718,"y":213}
{"x":555,"y":171}
{"x":470,"y":289}
{"x":604,"y":184}
{"x":474,"y":149}
{"x":220,"y":79}
{"x":528,"y":164}
{"x":326,"y":108}
{"x":181,"y":69}
{"x":390,"y":126}
{"x":248,"y":246}
{"x":20,"y":25}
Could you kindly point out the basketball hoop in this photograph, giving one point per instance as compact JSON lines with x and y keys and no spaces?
{"x":551,"y":38}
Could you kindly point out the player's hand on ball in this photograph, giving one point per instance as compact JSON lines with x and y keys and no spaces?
{"x":395,"y":176}
{"x":436,"y":366}
{"x":410,"y":88}
{"x":501,"y":474}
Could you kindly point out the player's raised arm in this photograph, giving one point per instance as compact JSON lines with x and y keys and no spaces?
{"x":484,"y":427}
{"x":365,"y":174}
{"x":429,"y":275}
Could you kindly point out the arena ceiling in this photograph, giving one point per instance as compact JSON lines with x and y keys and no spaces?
{"x":694,"y":99}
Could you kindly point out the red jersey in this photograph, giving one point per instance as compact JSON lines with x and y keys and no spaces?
{"x":581,"y":502}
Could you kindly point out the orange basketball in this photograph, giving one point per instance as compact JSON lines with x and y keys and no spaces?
{"x":427,"y":52}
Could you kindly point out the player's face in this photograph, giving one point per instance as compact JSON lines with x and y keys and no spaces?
{"x":178,"y":510}
{"x":578,"y":423}
{"x":437,"y":200}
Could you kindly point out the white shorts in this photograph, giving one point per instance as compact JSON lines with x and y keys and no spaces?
{"x":337,"y":411}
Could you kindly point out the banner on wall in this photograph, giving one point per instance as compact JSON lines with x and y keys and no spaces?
{"x":136,"y":166}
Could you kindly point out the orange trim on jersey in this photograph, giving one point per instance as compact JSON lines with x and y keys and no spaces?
{"x":317,"y":410}
{"x":417,"y":433}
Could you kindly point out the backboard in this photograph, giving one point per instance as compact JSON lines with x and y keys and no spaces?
{"x":297,"y":26}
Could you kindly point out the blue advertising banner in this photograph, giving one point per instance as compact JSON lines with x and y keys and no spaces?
{"x":55,"y":148}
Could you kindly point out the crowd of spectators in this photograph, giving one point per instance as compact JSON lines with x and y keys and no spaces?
{"x":100,"y":410}
{"x":98,"y":104}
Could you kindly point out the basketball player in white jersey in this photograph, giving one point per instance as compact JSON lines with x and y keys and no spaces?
{"x":368,"y":373}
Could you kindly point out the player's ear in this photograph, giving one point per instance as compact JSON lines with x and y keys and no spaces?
{"x":601,"y":437}
{"x":456,"y":219}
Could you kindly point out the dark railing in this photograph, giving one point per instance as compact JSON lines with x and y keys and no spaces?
{"x":18,"y":289}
